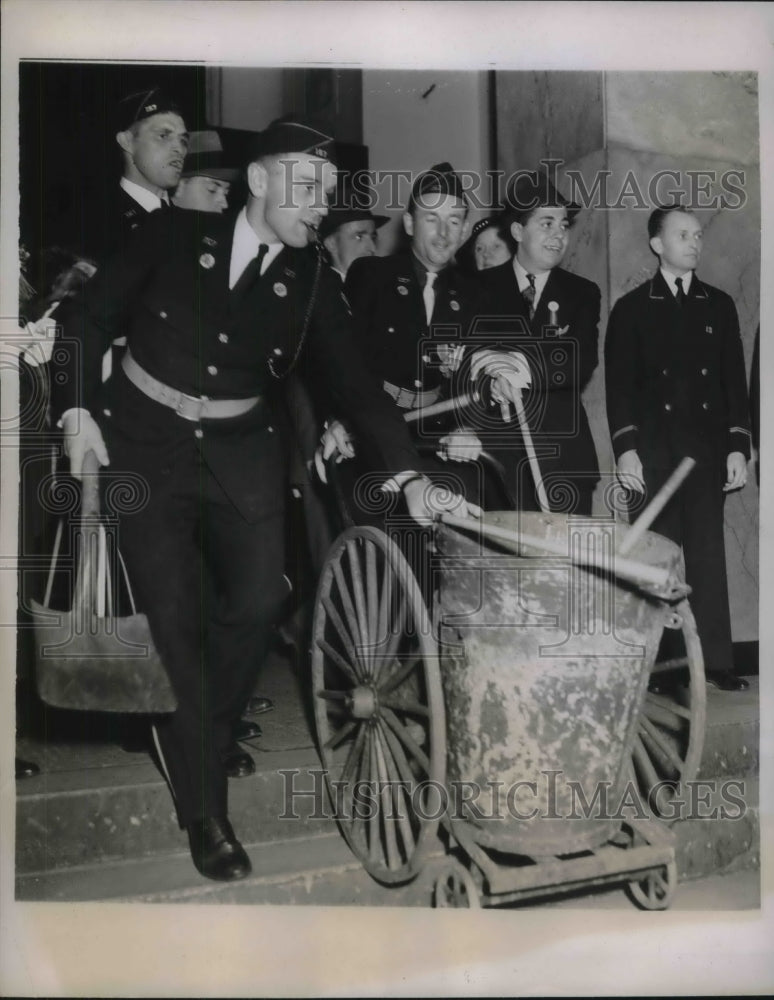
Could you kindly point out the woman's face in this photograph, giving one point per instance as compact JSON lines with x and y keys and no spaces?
{"x":489,"y":250}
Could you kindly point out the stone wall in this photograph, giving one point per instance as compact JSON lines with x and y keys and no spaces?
{"x":703,"y":126}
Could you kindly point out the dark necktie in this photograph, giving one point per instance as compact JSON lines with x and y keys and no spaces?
{"x":680,"y":297}
{"x":529,"y":294}
{"x":165,"y":206}
{"x":251,"y":273}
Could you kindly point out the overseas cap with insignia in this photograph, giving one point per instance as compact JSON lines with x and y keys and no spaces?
{"x":440,"y":180}
{"x":143,"y":104}
{"x":293,"y":134}
{"x":534,"y":190}
{"x":205,"y":158}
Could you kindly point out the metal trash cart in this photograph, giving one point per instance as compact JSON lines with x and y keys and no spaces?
{"x":526,"y":714}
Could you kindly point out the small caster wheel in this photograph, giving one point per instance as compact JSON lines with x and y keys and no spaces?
{"x":656,"y":890}
{"x":454,"y":887}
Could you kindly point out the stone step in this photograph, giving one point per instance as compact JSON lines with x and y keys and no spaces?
{"x":86,"y":809}
{"x":321,"y":870}
{"x":96,"y":815}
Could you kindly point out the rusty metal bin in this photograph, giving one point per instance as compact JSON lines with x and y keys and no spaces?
{"x":544,"y":665}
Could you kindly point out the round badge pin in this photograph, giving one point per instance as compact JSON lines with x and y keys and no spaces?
{"x":280,"y":289}
{"x":455,"y":305}
{"x":207,"y":261}
{"x":402,"y":290}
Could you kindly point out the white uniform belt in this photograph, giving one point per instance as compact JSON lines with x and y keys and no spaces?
{"x":408,"y":399}
{"x":188,"y":407}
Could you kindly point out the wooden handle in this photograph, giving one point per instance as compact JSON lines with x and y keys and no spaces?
{"x":627,"y":569}
{"x":656,"y":505}
{"x":434,"y":409}
{"x":90,"y":485}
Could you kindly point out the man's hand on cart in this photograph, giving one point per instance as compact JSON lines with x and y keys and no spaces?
{"x":460,"y":446}
{"x":736,"y":471}
{"x":509,"y":373}
{"x":425,"y":501}
{"x":81,"y":434}
{"x":336,"y":443}
{"x":629,"y":471}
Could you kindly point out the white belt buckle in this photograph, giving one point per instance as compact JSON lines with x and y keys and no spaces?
{"x":184,"y":401}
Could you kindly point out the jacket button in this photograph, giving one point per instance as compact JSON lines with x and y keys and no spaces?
{"x":278,"y":351}
{"x":223,"y":338}
{"x":390,"y":329}
{"x":107,"y":413}
{"x":705,"y":406}
{"x":163,"y":314}
{"x":667,"y":406}
{"x":705,"y":371}
{"x":198,"y":433}
{"x":665,"y":371}
{"x":270,"y":429}
{"x":212,"y":370}
{"x":417,"y":383}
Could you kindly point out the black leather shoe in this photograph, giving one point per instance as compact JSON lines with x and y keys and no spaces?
{"x":26,"y":768}
{"x":246,"y":729}
{"x":727,"y":681}
{"x":258,"y":705}
{"x":215,"y":850}
{"x":238,"y":762}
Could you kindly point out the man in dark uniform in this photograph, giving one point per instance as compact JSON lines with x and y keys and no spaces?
{"x":414,"y":308}
{"x":551,"y":317}
{"x":220,"y":310}
{"x":675,"y":387}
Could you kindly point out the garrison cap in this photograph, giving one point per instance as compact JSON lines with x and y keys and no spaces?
{"x":293,"y":134}
{"x":438,"y":180}
{"x":205,"y":158}
{"x":534,"y":190}
{"x":143,"y":104}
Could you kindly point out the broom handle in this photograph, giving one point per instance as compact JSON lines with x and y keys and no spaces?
{"x":627,"y":569}
{"x":656,"y":505}
{"x":531,"y":455}
{"x":434,"y":409}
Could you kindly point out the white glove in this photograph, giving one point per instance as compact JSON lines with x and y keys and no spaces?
{"x":509,"y":372}
{"x":42,"y":336}
{"x":460,"y":446}
{"x":336,"y":440}
{"x":629,"y":471}
{"x":450,"y":356}
{"x":82,"y":434}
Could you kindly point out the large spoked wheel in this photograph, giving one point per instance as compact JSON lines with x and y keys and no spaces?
{"x":378,"y":704}
{"x":656,"y":890}
{"x":455,"y":888}
{"x":670,"y":734}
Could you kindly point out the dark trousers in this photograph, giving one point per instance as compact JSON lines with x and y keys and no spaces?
{"x":212,"y":586}
{"x":693,"y":519}
{"x":567,"y":493}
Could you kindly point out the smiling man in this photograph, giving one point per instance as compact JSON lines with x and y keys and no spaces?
{"x":552,"y":316}
{"x":219,"y":309}
{"x":676,"y":387}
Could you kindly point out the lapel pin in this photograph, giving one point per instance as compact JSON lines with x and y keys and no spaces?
{"x":708,"y":329}
{"x":207,"y":261}
{"x":208,"y":241}
{"x":402,"y":290}
{"x":280,"y":289}
{"x":553,"y":313}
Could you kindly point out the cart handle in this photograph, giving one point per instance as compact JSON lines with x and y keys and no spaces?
{"x":627,"y":569}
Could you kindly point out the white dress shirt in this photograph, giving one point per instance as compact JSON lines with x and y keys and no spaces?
{"x":145,"y":199}
{"x":245,"y":246}
{"x":669,"y":278}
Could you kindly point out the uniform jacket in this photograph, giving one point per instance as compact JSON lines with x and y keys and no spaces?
{"x":170,"y":292}
{"x":105,"y":226}
{"x":561,"y":360}
{"x":675,"y":375}
{"x":385,"y":295}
